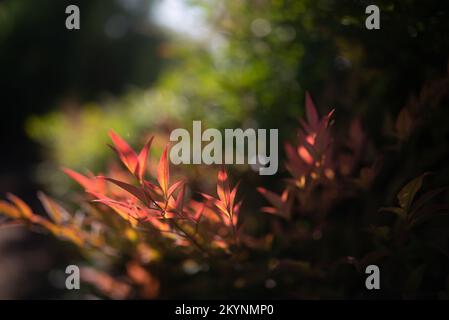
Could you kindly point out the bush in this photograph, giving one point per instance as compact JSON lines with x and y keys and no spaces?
{"x":325,"y":229}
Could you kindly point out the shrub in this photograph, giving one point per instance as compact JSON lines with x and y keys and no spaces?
{"x":162,"y":240}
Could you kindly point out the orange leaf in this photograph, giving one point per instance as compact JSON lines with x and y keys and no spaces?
{"x":124,"y":151}
{"x":25,"y":210}
{"x":198,"y":209}
{"x":232,"y":198}
{"x":54,"y":210}
{"x":223,"y":187}
{"x":9,"y":210}
{"x":122,"y":209}
{"x":135,"y":191}
{"x":218,"y":203}
{"x":163,"y":173}
{"x":180,"y":199}
{"x":142,"y":160}
{"x":174,"y":187}
{"x":151,"y":186}
{"x":85,"y":182}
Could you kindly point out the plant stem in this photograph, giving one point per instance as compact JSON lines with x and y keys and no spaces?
{"x":191,"y":238}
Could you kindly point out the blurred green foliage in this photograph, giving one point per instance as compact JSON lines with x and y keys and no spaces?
{"x":45,"y":66}
{"x":252,"y":66}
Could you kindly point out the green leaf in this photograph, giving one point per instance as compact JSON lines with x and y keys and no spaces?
{"x":407,"y":193}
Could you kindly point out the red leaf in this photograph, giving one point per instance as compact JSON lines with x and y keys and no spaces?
{"x":174,"y":187}
{"x":163,"y":173}
{"x":180,"y":199}
{"x":232,"y":196}
{"x":124,"y":151}
{"x":322,"y":139}
{"x":223,"y":187}
{"x":198,"y":209}
{"x":122,"y":209}
{"x":135,"y":191}
{"x":151,"y":186}
{"x":236,"y":211}
{"x":282,"y":204}
{"x":142,"y":160}
{"x":307,"y":151}
{"x":85,"y":182}
{"x":208,"y":197}
{"x":218,"y":203}
{"x":295,"y":165}
{"x":272,"y":197}
{"x":269,"y":210}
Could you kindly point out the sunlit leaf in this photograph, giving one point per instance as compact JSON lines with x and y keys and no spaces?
{"x":163,"y":173}
{"x":175,"y":186}
{"x":55,"y":211}
{"x":142,"y":160}
{"x":9,"y":210}
{"x":139,"y":193}
{"x":25,"y":210}
{"x":124,"y":151}
{"x":223,"y":187}
{"x":85,"y":182}
{"x":123,"y":210}
{"x":180,"y":199}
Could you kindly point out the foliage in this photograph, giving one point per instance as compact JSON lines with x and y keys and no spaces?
{"x":157,"y":220}
{"x":363,"y":181}
{"x":46,"y":66}
{"x":251,"y":68}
